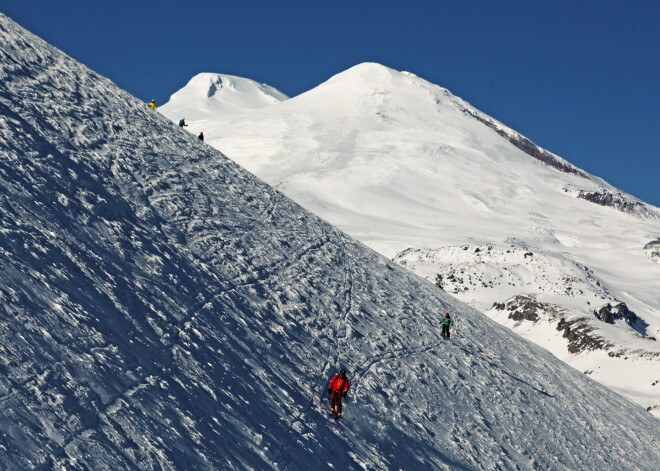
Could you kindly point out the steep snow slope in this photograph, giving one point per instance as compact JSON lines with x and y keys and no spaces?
{"x":552,"y":301}
{"x":401,"y":163}
{"x":161,"y":308}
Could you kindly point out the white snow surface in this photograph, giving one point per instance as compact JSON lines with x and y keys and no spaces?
{"x":162,"y":308}
{"x":400,"y":163}
{"x":220,"y":94}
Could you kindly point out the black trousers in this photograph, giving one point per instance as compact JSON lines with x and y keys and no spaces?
{"x":445,"y":330}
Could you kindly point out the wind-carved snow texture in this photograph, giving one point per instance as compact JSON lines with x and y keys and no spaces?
{"x":161,"y":308}
{"x":399,"y":163}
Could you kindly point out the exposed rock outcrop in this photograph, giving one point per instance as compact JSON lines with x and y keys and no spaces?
{"x":610,"y":314}
{"x":524,"y":144}
{"x":653,"y":250}
{"x":581,"y":336}
{"x":438,"y":281}
{"x":213,"y":87}
{"x":618,"y":201}
{"x":526,"y":308}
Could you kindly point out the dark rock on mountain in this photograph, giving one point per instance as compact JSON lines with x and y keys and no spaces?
{"x":655,"y":244}
{"x":527,"y":146}
{"x":438,"y":281}
{"x":617,"y":201}
{"x":653,"y":249}
{"x":581,"y":336}
{"x":609,"y":314}
{"x":526,"y":308}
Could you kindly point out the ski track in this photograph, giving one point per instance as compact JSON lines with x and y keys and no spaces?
{"x":330,"y":364}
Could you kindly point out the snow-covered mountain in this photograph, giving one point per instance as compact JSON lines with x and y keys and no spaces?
{"x":222,"y":95}
{"x":162,"y":308}
{"x":420,"y":175}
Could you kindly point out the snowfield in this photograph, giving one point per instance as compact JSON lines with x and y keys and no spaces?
{"x":425,"y":178}
{"x":162,"y":308}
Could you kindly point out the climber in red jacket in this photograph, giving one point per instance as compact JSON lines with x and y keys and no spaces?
{"x":337,"y":389}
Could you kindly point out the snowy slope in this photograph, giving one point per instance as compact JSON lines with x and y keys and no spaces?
{"x":400,"y":163}
{"x":161,"y":308}
{"x":552,"y":301}
{"x":220,"y":94}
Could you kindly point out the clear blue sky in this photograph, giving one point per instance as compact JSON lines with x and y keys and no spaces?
{"x":580,"y":78}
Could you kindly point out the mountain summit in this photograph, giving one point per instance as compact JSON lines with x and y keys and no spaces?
{"x":215,"y":94}
{"x":162,"y":308}
{"x":472,"y":205}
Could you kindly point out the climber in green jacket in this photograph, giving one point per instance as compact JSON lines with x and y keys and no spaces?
{"x":446,"y":322}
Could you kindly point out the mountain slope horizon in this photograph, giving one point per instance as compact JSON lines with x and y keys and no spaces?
{"x":423,"y":177}
{"x":162,"y":308}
